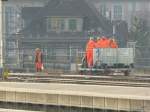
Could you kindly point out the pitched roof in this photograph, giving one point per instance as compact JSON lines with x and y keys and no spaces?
{"x":78,"y":8}
{"x":29,"y":12}
{"x":62,"y":8}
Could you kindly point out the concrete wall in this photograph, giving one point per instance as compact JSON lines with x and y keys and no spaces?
{"x":90,"y":96}
{"x":75,"y":100}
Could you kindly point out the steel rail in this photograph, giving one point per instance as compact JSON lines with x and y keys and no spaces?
{"x":133,"y":81}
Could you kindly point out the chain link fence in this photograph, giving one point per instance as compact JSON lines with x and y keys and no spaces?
{"x":142,"y":59}
{"x":65,"y":59}
{"x":16,"y":19}
{"x":54,"y":59}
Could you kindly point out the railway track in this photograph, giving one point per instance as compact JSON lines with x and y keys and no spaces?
{"x":118,"y":80}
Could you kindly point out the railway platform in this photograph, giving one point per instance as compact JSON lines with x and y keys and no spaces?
{"x":120,"y":98}
{"x":14,"y":110}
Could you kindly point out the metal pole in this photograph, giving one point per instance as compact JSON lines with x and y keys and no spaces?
{"x":70,"y":52}
{"x":114,"y":30}
{"x":1,"y":35}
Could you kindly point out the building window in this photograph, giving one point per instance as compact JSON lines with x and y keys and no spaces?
{"x":13,"y":20}
{"x":103,"y":10}
{"x":11,"y":53}
{"x":55,"y":24}
{"x":73,"y":24}
{"x":11,"y":44}
{"x":117,"y":12}
{"x":62,"y":24}
{"x":48,"y":23}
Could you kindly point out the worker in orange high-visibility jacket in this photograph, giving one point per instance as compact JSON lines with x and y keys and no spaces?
{"x":89,"y":52}
{"x":38,"y":60}
{"x":113,"y":43}
{"x":98,"y":43}
{"x":104,"y":42}
{"x":107,"y":41}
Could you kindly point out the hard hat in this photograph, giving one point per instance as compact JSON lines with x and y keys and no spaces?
{"x":37,"y":49}
{"x":103,"y":37}
{"x":113,"y":39}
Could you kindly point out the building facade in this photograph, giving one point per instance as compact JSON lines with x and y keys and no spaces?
{"x":12,"y":24}
{"x":59,"y":28}
{"x":123,"y":9}
{"x":12,"y":14}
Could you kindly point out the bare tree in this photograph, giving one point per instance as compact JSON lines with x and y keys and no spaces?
{"x":139,"y":32}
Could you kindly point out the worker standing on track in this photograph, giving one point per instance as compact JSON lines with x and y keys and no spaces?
{"x":89,"y":51}
{"x":113,"y":43}
{"x":104,"y":42}
{"x":99,"y":42}
{"x":38,"y":60}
